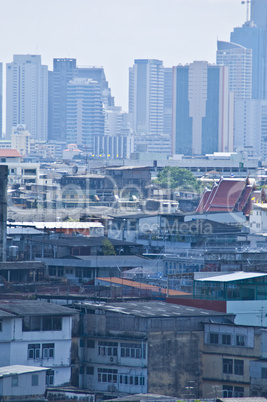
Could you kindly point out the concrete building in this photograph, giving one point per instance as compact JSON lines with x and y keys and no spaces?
{"x":138,"y":347}
{"x":251,"y":36}
{"x":3,"y":211}
{"x":64,"y":70}
{"x":18,"y":382}
{"x":238,"y":59}
{"x":85,"y":113}
{"x":202,"y":109}
{"x":27,"y":95}
{"x":1,"y":100}
{"x":20,"y":140}
{"x":146,"y":96}
{"x":37,"y":334}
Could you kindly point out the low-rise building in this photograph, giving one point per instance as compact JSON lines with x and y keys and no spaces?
{"x":22,"y":383}
{"x":37,"y":334}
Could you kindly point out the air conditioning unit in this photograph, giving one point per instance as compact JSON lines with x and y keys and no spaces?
{"x":112,"y":388}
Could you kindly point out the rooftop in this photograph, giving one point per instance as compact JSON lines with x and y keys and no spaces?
{"x":9,"y":153}
{"x":152,"y":309}
{"x":142,"y":286}
{"x":33,"y":307}
{"x":235,"y":276}
{"x":19,"y":369}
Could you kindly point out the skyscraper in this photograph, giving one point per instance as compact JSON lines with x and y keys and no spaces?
{"x":167,"y":105}
{"x":146,"y":96}
{"x":238,"y":59}
{"x":1,"y":100}
{"x":27,"y":95}
{"x":85,"y":114}
{"x":64,"y":70}
{"x":259,"y":13}
{"x":202,"y":109}
{"x":252,"y":37}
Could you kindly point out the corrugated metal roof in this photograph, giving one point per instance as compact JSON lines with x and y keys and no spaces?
{"x":19,"y":369}
{"x":33,"y":307}
{"x":142,"y":286}
{"x":58,"y":225}
{"x":153,"y":309}
{"x":235,"y":276}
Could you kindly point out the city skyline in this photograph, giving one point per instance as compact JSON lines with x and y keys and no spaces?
{"x":123,"y":32}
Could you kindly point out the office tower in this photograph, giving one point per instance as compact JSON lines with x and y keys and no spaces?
{"x":238,"y":59}
{"x":167,"y":105}
{"x":1,"y":100}
{"x":259,"y":13}
{"x":97,"y":74}
{"x":64,"y":70}
{"x":27,"y":95}
{"x":251,"y":126}
{"x":252,"y":37}
{"x":202,"y":109}
{"x":146,"y":96}
{"x":85,"y":114}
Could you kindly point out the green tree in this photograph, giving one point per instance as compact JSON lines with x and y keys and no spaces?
{"x":108,"y":248}
{"x":175,"y":177}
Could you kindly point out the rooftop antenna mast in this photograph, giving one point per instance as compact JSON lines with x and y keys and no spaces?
{"x":248,"y":2}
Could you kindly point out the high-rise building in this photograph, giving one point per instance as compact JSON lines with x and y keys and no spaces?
{"x":97,"y":74}
{"x":27,"y":95}
{"x":167,"y":105}
{"x":202,"y":109}
{"x":259,"y":13}
{"x":252,"y":37}
{"x":84,"y":112}
{"x":146,"y":96}
{"x":251,"y":126}
{"x":238,"y":59}
{"x":64,"y":70}
{"x":1,"y":100}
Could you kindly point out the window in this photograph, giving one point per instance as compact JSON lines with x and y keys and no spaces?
{"x":264,"y":372}
{"x":1,"y":325}
{"x":226,"y":339}
{"x":137,"y":380}
{"x":46,"y":323}
{"x":14,"y":381}
{"x":227,"y":391}
{"x":90,"y":370}
{"x":107,"y":348}
{"x":107,"y":375}
{"x":240,"y":340}
{"x":35,"y":380}
{"x":133,"y":350}
{"x":239,"y":367}
{"x":50,"y":377}
{"x":214,"y":338}
{"x":228,"y":366}
{"x":90,"y":343}
{"x":238,"y":392}
{"x":48,"y":350}
{"x":34,"y":351}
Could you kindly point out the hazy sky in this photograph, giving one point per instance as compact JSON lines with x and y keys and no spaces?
{"x":112,"y":33}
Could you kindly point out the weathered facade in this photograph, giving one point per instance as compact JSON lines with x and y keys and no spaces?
{"x":142,"y":347}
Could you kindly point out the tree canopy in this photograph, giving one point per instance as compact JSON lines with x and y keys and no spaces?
{"x":175,"y":177}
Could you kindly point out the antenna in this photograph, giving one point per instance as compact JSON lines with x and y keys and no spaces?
{"x":248,"y":2}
